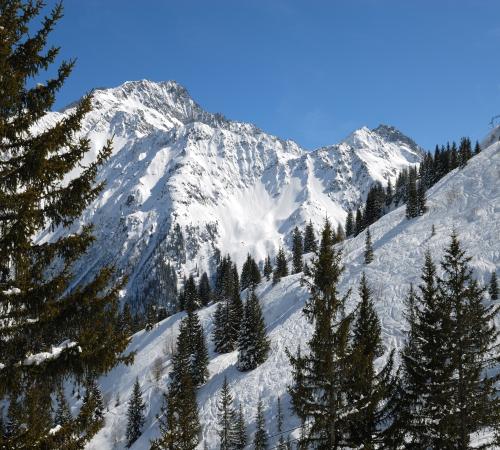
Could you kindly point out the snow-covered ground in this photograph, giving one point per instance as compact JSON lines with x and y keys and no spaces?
{"x":467,"y":200}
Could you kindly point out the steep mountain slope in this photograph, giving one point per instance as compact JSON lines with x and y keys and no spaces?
{"x":222,"y":183}
{"x":467,"y":200}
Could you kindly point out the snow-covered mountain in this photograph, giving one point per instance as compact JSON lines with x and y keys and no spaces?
{"x":467,"y":200}
{"x":228,"y":186}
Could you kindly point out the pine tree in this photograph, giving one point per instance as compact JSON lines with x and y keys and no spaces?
{"x":241,"y":431}
{"x":310,"y":244}
{"x":253,"y":344}
{"x":349,"y":224}
{"x":268,"y":268}
{"x":227,"y":419}
{"x":91,"y":414}
{"x":41,"y":308}
{"x":250,"y":274}
{"x":281,"y":269}
{"x":412,"y":207}
{"x":191,"y":298}
{"x":421,"y":199}
{"x":320,"y":378}
{"x":369,"y":390}
{"x":474,"y":401}
{"x":204,"y":290}
{"x":340,"y":233}
{"x":297,"y":250}
{"x":135,"y":414}
{"x":493,"y":288}
{"x":359,"y":224}
{"x":62,"y":413}
{"x":260,"y":437}
{"x":477,"y":148}
{"x":191,"y":347}
{"x":368,"y":255}
{"x":179,"y":424}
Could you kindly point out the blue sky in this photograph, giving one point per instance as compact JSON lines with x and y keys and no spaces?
{"x":311,"y":71}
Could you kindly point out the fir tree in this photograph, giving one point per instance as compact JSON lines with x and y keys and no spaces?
{"x":297,"y":250}
{"x":260,"y":437}
{"x":369,"y":390}
{"x":250,"y":274}
{"x":282,"y":445}
{"x":421,"y":199}
{"x":477,"y":148}
{"x":253,"y":344}
{"x":241,"y":431}
{"x":412,"y":206}
{"x":268,"y":268}
{"x":204,"y":290}
{"x":227,"y":419}
{"x":368,"y":255}
{"x":493,"y":288}
{"x":349,"y":224}
{"x":359,"y":224}
{"x":320,"y":378}
{"x":179,"y":423}
{"x":310,"y":244}
{"x":135,"y":414}
{"x":340,"y":233}
{"x":191,"y":347}
{"x":281,"y":269}
{"x":45,"y":308}
{"x":191,"y":298}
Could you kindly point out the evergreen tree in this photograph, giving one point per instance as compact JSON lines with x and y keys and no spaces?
{"x":493,"y":288}
{"x":191,"y":349}
{"x":268,"y":268}
{"x":477,"y":148}
{"x":282,"y":445}
{"x":281,"y":269}
{"x":92,"y":411}
{"x":464,"y":152}
{"x":204,"y":290}
{"x":191,"y":298}
{"x":227,"y":419}
{"x":297,"y":250}
{"x":310,"y":244}
{"x":340,"y":233}
{"x":250,"y":274}
{"x":320,"y":378}
{"x":369,"y":390}
{"x":389,"y":194}
{"x":260,"y":437}
{"x":179,"y":423}
{"x":135,"y":414}
{"x":421,"y":199}
{"x":253,"y":344}
{"x":349,"y":224}
{"x":241,"y":431}
{"x":368,"y":247}
{"x":412,"y":207}
{"x":359,"y":224}
{"x":42,"y":310}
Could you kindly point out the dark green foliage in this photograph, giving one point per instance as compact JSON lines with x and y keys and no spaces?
{"x":176,"y":246}
{"x":493,"y":287}
{"x":282,"y":445}
{"x":421,"y":199}
{"x":297,"y":250}
{"x":253,"y":344}
{"x":412,"y":207}
{"x":477,"y":148}
{"x":281,"y":269}
{"x":227,"y":419}
{"x":359,"y":224}
{"x":320,"y":378}
{"x":34,"y":196}
{"x":250,"y":274}
{"x":260,"y":437}
{"x":229,"y":312}
{"x":375,"y":204}
{"x":349,"y":224}
{"x":268,"y":268}
{"x":191,"y":298}
{"x":340,"y":235}
{"x":464,"y":152}
{"x":368,"y":255}
{"x":62,"y":413}
{"x":135,"y":414}
{"x":179,"y":423}
{"x":204,"y":290}
{"x":447,"y":393}
{"x":310,"y":243}
{"x":92,"y":410}
{"x":191,"y":350}
{"x":241,"y":431}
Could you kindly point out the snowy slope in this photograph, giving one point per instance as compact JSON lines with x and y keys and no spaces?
{"x":223,"y":182}
{"x":467,"y":200}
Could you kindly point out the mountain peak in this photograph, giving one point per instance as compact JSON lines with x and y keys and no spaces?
{"x":392,"y":134}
